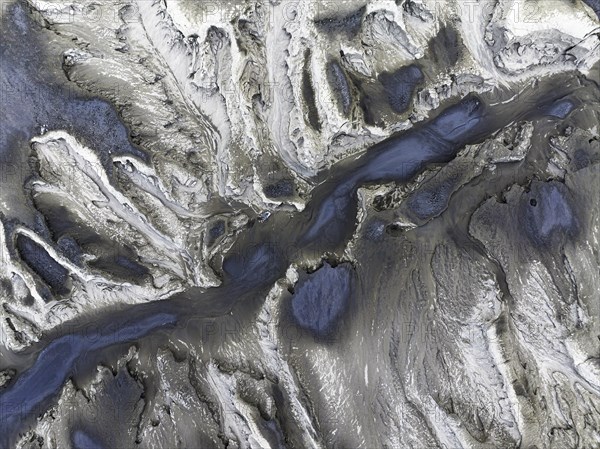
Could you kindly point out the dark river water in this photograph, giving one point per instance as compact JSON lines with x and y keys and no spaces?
{"x":262,"y":253}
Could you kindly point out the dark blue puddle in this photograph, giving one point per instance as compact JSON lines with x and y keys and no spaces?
{"x":400,"y":85}
{"x":320,"y":299}
{"x":559,"y":109}
{"x":428,"y":203}
{"x":547,"y":214}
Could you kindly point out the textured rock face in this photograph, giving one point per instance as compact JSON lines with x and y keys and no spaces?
{"x":265,"y":224}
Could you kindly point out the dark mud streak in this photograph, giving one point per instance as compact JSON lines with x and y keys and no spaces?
{"x":38,"y":259}
{"x":348,"y":25}
{"x":281,"y":189}
{"x":445,"y":47}
{"x":260,"y":256}
{"x":339,"y":84}
{"x":371,"y":98}
{"x":308,"y":94}
{"x":121,"y":266}
{"x":116,"y":260}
